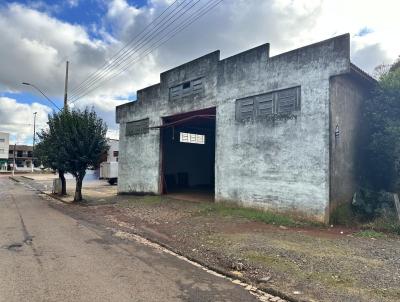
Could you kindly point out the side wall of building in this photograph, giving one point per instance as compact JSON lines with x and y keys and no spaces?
{"x":281,"y":165}
{"x":4,"y":145}
{"x":113,"y":152}
{"x":346,"y":137}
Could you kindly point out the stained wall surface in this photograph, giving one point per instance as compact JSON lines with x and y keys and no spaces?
{"x":278,"y":164}
{"x":348,"y":137}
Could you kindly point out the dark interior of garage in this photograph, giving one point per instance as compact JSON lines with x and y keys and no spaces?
{"x":188,"y":152}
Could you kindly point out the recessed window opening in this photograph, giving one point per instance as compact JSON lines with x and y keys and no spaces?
{"x":186,"y":85}
{"x":192,"y":138}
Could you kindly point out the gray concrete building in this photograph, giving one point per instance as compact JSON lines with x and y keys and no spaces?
{"x":281,"y":133}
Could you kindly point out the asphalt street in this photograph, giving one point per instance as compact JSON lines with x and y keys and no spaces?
{"x":46,"y":255}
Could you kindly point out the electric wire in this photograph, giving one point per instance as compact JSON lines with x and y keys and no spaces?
{"x":183,"y":25}
{"x":122,"y":50}
{"x":142,"y":41}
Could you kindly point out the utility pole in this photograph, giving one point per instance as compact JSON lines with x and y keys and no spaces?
{"x":34,"y":138}
{"x":13,"y":170}
{"x":66,"y":87}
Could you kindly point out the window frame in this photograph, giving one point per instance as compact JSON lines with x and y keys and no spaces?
{"x":253,"y":104}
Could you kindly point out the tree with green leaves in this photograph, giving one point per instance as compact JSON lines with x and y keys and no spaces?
{"x":74,"y":142}
{"x":84,"y":144}
{"x":47,"y":149}
{"x":383,"y":115}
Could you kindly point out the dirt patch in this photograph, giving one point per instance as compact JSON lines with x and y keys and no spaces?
{"x":309,"y":263}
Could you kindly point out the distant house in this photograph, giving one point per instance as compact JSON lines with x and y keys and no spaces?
{"x":281,"y":132}
{"x":23,"y":155}
{"x":109,"y":165}
{"x":113,"y":152}
{"x":4,"y":141}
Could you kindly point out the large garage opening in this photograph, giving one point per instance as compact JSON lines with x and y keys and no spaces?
{"x":188,"y":155}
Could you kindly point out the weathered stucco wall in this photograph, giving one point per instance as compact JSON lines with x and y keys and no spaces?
{"x":139,"y":162}
{"x":347,"y":96}
{"x":282,"y":165}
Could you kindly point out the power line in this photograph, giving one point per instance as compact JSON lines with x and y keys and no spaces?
{"x":15,"y":124}
{"x":127,"y":48}
{"x":126,"y":45}
{"x":143,"y":41}
{"x":151,"y":48}
{"x":181,"y":26}
{"x":147,"y":51}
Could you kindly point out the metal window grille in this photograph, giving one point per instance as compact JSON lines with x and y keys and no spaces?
{"x":186,"y":89}
{"x":192,"y":138}
{"x":283,"y":101}
{"x":137,"y":127}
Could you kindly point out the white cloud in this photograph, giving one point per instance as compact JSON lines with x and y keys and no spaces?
{"x":35,"y":45}
{"x":73,"y":3}
{"x":17,"y":119}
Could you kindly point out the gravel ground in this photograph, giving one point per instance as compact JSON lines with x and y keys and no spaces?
{"x":312,"y":264}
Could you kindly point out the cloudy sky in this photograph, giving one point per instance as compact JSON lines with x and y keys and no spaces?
{"x":37,"y":37}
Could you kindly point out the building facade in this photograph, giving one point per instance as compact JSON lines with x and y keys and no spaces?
{"x":279,"y":133}
{"x":4,"y":142}
{"x":23,"y":155}
{"x":113,"y":151}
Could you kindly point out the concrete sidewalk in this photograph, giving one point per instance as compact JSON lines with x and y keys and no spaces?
{"x":49,"y":256}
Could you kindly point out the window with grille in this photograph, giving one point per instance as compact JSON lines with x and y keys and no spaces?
{"x":284,"y":101}
{"x":189,"y":88}
{"x":137,"y":127}
{"x":192,"y":138}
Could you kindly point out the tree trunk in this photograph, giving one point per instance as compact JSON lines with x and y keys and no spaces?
{"x":78,"y":189}
{"x":63,"y":182}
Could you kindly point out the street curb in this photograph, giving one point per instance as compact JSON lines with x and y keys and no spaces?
{"x":219,"y":270}
{"x":216,"y":269}
{"x":54,"y":196}
{"x":14,"y":179}
{"x":43,"y":192}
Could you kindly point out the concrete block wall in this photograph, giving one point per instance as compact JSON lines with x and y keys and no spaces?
{"x":282,"y":166}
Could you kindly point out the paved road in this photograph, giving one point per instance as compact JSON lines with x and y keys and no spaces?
{"x":46,"y":255}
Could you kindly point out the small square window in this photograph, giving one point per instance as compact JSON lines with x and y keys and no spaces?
{"x":186,"y":85}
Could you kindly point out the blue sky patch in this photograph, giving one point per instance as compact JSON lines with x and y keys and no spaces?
{"x":364,"y":31}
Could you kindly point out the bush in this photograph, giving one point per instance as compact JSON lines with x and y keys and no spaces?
{"x":369,"y":204}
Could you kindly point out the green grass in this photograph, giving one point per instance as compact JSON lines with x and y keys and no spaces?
{"x":388,"y":224}
{"x":343,"y":215}
{"x":283,"y":265}
{"x":268,"y":217}
{"x":369,"y":234}
{"x":131,"y":201}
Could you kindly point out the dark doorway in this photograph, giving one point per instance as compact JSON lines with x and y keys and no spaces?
{"x":188,"y":154}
